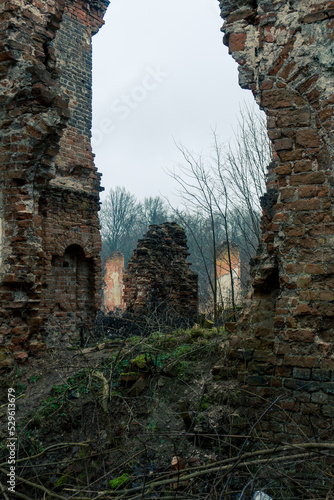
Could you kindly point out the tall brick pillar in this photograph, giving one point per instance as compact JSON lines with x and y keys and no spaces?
{"x":70,"y":203}
{"x":49,"y":231}
{"x":286,"y":356}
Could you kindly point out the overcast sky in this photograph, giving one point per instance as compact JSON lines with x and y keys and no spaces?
{"x":161,"y":75}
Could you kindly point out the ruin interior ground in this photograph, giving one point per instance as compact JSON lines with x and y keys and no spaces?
{"x":172,"y":394}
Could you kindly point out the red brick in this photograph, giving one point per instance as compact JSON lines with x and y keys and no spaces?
{"x":307,"y":178}
{"x":323,"y":217}
{"x":325,"y":114}
{"x":307,"y":191}
{"x":294,"y":118}
{"x":312,"y":268}
{"x":281,"y":217}
{"x":302,"y":166}
{"x":301,"y":361}
{"x":303,"y":87}
{"x":287,"y":193}
{"x":308,"y":242}
{"x":303,"y":308}
{"x":314,"y":17}
{"x":274,"y":134}
{"x":296,"y":154}
{"x":286,"y":70}
{"x":267,"y":85}
{"x":283,"y":371}
{"x":237,"y":42}
{"x":308,"y":138}
{"x":275,"y":99}
{"x":301,"y":205}
{"x":283,"y":169}
{"x":327,"y":295}
{"x":313,"y":98}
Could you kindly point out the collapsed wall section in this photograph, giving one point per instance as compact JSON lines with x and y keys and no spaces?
{"x":158,"y":277}
{"x":285,"y":354}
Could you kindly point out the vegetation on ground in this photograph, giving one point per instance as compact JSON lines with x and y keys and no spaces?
{"x":148,"y":418}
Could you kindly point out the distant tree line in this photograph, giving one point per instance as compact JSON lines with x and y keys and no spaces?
{"x":124,"y":220}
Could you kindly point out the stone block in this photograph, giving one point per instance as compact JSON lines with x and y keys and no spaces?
{"x":302,"y":373}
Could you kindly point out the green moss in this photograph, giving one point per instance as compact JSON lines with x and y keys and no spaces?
{"x":183,"y":368}
{"x":204,"y":404}
{"x":3,"y":355}
{"x":140,"y":361}
{"x":19,"y":389}
{"x":182,"y":350}
{"x":60,"y":481}
{"x":134,"y":340}
{"x":116,"y":483}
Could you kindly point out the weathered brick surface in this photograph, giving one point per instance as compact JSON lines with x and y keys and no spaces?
{"x":113,"y":285}
{"x":158,"y":276}
{"x":239,"y":272}
{"x":285,"y":54}
{"x":49,"y":231}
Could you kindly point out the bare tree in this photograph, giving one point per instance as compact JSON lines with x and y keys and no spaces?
{"x":224,"y":187}
{"x":196,"y":190}
{"x":243,"y":170}
{"x":153,"y":211}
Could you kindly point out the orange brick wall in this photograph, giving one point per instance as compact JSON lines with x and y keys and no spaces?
{"x":224,"y":275}
{"x":113,"y":283}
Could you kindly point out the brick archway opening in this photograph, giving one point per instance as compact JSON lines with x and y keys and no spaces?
{"x":69,"y":296}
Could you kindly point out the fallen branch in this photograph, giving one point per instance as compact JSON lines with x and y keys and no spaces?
{"x":4,"y":491}
{"x":34,"y":485}
{"x":22,"y":495}
{"x":105,"y":390}
{"x":230,"y":464}
{"x":103,"y":405}
{"x":52,"y":447}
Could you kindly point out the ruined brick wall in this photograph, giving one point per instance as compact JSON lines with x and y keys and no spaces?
{"x":113,"y":286}
{"x":158,"y":276}
{"x":50,"y":188}
{"x":224,"y":274}
{"x":285,"y":55}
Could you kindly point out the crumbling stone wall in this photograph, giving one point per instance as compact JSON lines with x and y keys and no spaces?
{"x":50,"y":188}
{"x":158,"y":276}
{"x":113,"y":285}
{"x":285,"y":55}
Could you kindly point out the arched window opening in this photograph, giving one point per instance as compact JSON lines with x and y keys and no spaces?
{"x":69,"y":295}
